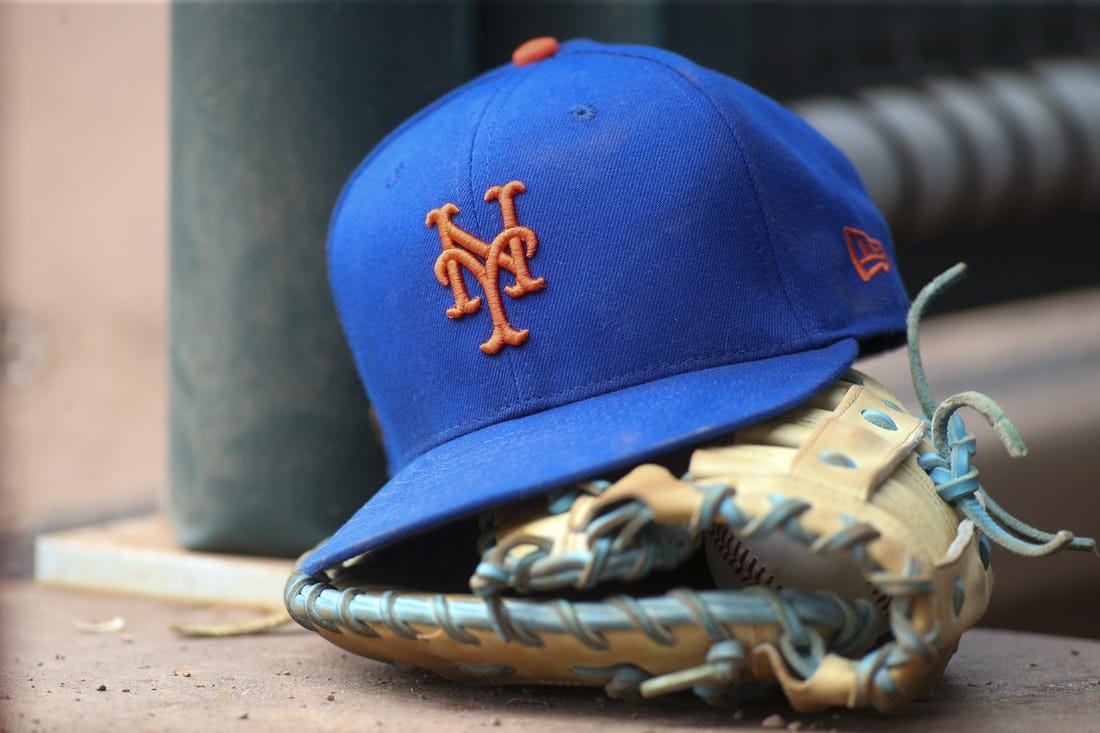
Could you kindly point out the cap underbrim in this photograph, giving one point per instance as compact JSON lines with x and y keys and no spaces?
{"x":522,"y":457}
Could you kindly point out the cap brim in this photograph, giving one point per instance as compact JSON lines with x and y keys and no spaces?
{"x":518,"y":458}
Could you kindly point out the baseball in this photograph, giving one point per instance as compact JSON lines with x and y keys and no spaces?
{"x":777,"y":561}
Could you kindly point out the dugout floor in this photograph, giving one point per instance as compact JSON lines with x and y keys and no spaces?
{"x":55,"y":675}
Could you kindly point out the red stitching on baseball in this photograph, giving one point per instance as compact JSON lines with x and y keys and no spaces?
{"x":737,"y":556}
{"x":751,"y":570}
{"x":880,"y":599}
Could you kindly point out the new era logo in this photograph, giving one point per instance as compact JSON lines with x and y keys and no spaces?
{"x":509,"y":251}
{"x":868,"y":255}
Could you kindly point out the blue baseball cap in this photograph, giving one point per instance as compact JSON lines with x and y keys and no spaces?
{"x":587,"y":257}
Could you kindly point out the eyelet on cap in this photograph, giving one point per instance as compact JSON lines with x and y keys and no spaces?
{"x":534,"y":50}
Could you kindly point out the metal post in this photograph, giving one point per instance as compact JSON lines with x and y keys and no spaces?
{"x":273,"y":105}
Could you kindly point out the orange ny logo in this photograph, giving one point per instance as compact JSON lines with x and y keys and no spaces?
{"x":509,"y":251}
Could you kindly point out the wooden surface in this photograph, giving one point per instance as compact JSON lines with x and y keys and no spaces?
{"x":141,"y":557}
{"x":55,"y":677}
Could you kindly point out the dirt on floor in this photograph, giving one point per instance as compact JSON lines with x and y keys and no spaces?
{"x":75,"y":661}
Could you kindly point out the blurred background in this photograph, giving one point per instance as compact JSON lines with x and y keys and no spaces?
{"x":167,"y":170}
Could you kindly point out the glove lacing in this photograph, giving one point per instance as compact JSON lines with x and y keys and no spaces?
{"x":956,"y":480}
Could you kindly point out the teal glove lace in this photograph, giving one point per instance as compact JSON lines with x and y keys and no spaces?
{"x":950,"y":469}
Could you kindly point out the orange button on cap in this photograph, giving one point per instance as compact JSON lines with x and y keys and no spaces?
{"x":534,"y":50}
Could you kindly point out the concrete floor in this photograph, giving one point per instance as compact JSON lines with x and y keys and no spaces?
{"x":144,"y":677}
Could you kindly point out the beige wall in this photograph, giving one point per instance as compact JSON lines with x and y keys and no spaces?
{"x":83,"y":244}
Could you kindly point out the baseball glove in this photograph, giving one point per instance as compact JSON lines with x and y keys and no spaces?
{"x":835,"y":554}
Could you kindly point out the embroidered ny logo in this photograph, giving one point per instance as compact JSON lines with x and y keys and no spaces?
{"x":509,"y":251}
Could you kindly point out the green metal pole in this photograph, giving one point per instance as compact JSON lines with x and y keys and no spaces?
{"x":273,"y":104}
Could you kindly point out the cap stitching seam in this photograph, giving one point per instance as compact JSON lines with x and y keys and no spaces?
{"x":395,"y":134}
{"x":765,"y":209}
{"x":489,"y":126}
{"x":719,"y":360}
{"x":750,"y":168}
{"x":524,"y":72}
